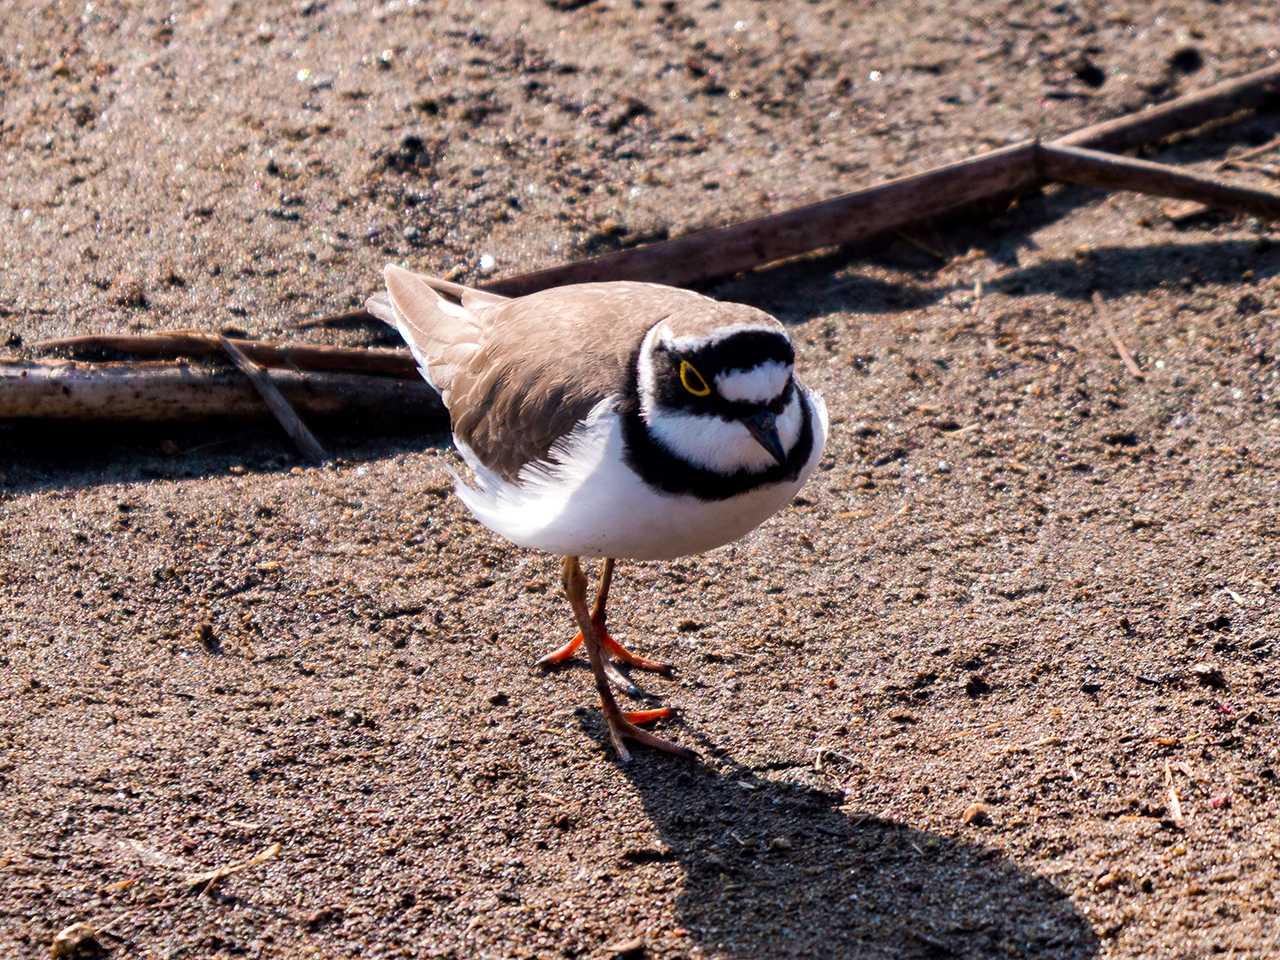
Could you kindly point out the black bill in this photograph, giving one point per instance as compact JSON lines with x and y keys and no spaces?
{"x":764,"y":428}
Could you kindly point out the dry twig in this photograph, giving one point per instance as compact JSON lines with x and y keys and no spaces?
{"x":168,"y":392}
{"x":1173,"y":803}
{"x":1269,"y":147}
{"x":211,"y":878}
{"x":1105,"y":322}
{"x":302,"y":438}
{"x":1091,"y":168}
{"x":268,"y":353}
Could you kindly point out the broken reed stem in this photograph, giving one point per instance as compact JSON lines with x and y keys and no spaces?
{"x":1269,"y":147}
{"x":269,"y":353}
{"x":34,"y":391}
{"x":709,"y":254}
{"x":1104,"y":321}
{"x":1092,"y":168}
{"x":166,"y":392}
{"x":288,"y":418}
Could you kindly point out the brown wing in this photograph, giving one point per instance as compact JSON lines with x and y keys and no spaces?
{"x":517,"y":375}
{"x":546,"y":360}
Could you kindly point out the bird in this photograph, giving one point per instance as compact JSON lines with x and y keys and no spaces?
{"x":615,"y":420}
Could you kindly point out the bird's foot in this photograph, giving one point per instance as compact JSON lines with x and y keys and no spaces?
{"x":648,"y":716}
{"x":561,"y":654}
{"x":623,"y":725}
{"x":621,"y":654}
{"x":617,"y":653}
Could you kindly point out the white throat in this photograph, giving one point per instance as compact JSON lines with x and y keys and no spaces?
{"x":722,"y":446}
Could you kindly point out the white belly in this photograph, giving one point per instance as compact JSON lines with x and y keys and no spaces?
{"x":591,"y":504}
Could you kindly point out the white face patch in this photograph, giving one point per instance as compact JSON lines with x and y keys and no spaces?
{"x":760,"y":384}
{"x":723,"y":446}
{"x":644,"y":372}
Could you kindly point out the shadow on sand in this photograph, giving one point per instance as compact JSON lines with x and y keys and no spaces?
{"x":775,"y":869}
{"x":44,"y":457}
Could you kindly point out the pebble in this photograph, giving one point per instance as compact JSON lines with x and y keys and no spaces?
{"x":625,"y":950}
{"x":1209,"y":674}
{"x":77,"y":940}
{"x":127,"y":291}
{"x":977,"y":814}
{"x":1106,"y":881}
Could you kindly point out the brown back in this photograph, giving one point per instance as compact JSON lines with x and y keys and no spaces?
{"x":517,"y":375}
{"x":545,"y":360}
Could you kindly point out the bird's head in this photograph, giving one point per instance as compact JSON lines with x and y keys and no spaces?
{"x":717,"y":390}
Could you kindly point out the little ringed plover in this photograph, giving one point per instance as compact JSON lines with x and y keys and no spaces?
{"x":612,"y":420}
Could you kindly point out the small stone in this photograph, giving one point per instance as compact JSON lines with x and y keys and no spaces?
{"x":1107,"y":881}
{"x":77,"y":940}
{"x":323,"y":916}
{"x":127,"y":291}
{"x":1210,"y":675}
{"x":205,"y":636}
{"x":499,"y":699}
{"x":780,"y":843}
{"x":976,"y":814}
{"x":625,"y":950}
{"x":1181,"y":213}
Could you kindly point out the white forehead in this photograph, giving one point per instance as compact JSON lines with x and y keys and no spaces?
{"x":692,"y":344}
{"x":759,"y":384}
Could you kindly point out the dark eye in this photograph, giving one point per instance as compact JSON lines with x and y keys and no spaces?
{"x":692,"y":380}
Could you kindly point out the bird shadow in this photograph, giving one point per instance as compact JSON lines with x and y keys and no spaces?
{"x":781,"y":869}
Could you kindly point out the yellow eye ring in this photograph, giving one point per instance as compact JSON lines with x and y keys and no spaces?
{"x":692,"y":380}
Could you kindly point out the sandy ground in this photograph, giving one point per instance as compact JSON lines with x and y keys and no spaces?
{"x":1022,"y":578}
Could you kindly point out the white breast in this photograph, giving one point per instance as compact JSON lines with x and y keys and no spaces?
{"x":587,"y":502}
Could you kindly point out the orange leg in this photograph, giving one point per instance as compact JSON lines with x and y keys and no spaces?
{"x":622,"y":726}
{"x":616,"y":651}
